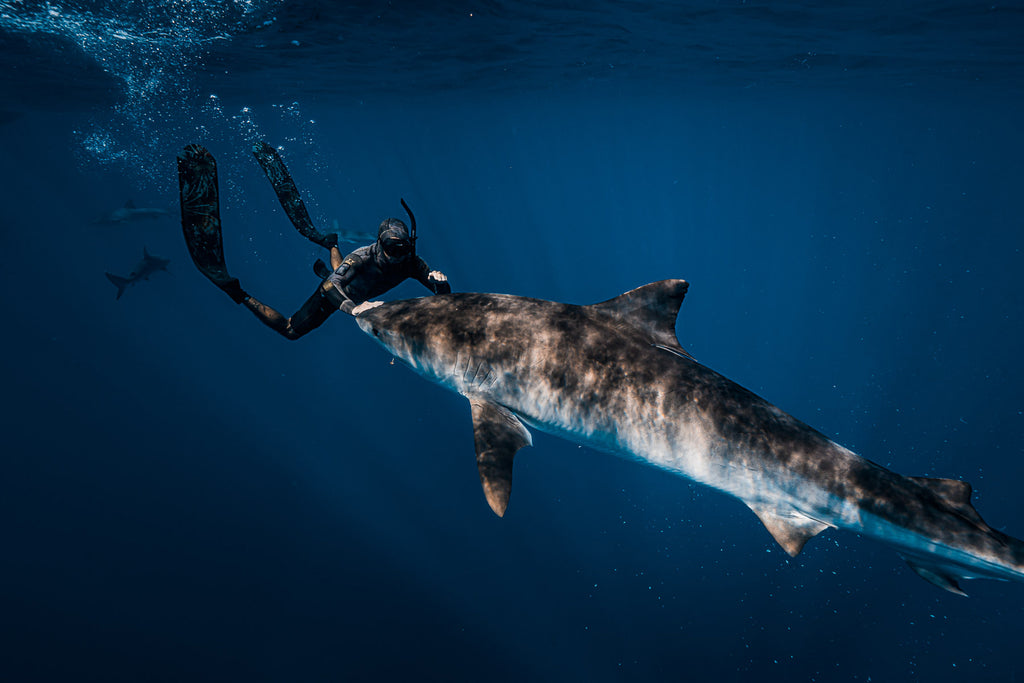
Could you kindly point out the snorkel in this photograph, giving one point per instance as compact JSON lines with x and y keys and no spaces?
{"x":412,"y":220}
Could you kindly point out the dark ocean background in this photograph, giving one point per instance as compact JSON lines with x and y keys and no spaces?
{"x":186,"y":496}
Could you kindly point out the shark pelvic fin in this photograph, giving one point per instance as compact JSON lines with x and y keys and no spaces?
{"x":955,"y":493}
{"x":652,"y":309}
{"x":497,"y":434}
{"x":943,"y":577}
{"x":791,"y":530}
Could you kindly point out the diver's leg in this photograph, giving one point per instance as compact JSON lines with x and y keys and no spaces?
{"x":267,"y":315}
{"x":311,"y":315}
{"x":277,"y":173}
{"x":200,"y":218}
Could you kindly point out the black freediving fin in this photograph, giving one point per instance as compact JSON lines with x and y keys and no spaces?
{"x":200,"y":217}
{"x":497,"y":434}
{"x":279,"y":177}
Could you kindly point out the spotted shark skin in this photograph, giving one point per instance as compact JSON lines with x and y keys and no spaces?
{"x":614,"y":377}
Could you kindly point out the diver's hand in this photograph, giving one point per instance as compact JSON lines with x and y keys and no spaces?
{"x":439,"y":281}
{"x":365,"y":306}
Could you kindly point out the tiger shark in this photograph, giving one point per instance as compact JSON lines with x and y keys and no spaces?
{"x":613,"y":376}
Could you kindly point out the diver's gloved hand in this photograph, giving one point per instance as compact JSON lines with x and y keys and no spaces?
{"x":365,"y":306}
{"x":234,"y":289}
{"x":439,"y":282}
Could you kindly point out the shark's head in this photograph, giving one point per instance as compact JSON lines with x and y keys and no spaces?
{"x":412,"y":330}
{"x":454,"y":339}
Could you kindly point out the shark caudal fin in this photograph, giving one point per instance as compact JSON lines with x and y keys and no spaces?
{"x":120,"y":282}
{"x":651,"y":309}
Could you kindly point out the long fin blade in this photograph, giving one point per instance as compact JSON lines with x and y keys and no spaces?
{"x":790,"y":530}
{"x":284,"y":187}
{"x":200,"y":213}
{"x":498,"y":435}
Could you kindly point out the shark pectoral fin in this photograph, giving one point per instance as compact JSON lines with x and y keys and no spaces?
{"x":944,"y":577}
{"x":497,"y":434}
{"x":791,"y":530}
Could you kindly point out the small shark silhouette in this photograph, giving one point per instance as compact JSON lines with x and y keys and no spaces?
{"x":352,"y":236}
{"x":146,"y":267}
{"x":129,"y":213}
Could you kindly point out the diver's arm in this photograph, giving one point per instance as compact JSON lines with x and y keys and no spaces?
{"x":346,"y":269}
{"x":333,"y":288}
{"x":434,"y":280}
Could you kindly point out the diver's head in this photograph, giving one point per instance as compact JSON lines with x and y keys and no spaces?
{"x":394,"y":240}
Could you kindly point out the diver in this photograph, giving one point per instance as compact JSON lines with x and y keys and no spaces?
{"x":363,"y":274}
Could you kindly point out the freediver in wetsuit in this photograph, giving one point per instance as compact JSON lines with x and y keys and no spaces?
{"x":363,"y":274}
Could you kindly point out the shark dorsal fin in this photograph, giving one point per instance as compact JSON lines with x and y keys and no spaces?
{"x":497,"y":435}
{"x":129,"y":204}
{"x":790,"y":529}
{"x":651,"y":309}
{"x":955,"y":493}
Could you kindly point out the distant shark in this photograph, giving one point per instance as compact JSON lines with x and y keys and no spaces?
{"x":129,"y":213}
{"x":352,"y":236}
{"x":613,"y":376}
{"x":146,"y":267}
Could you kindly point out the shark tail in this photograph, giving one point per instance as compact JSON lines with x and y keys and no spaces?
{"x":120,"y":282}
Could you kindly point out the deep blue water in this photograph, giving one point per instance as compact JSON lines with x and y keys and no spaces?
{"x":185,"y":495}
